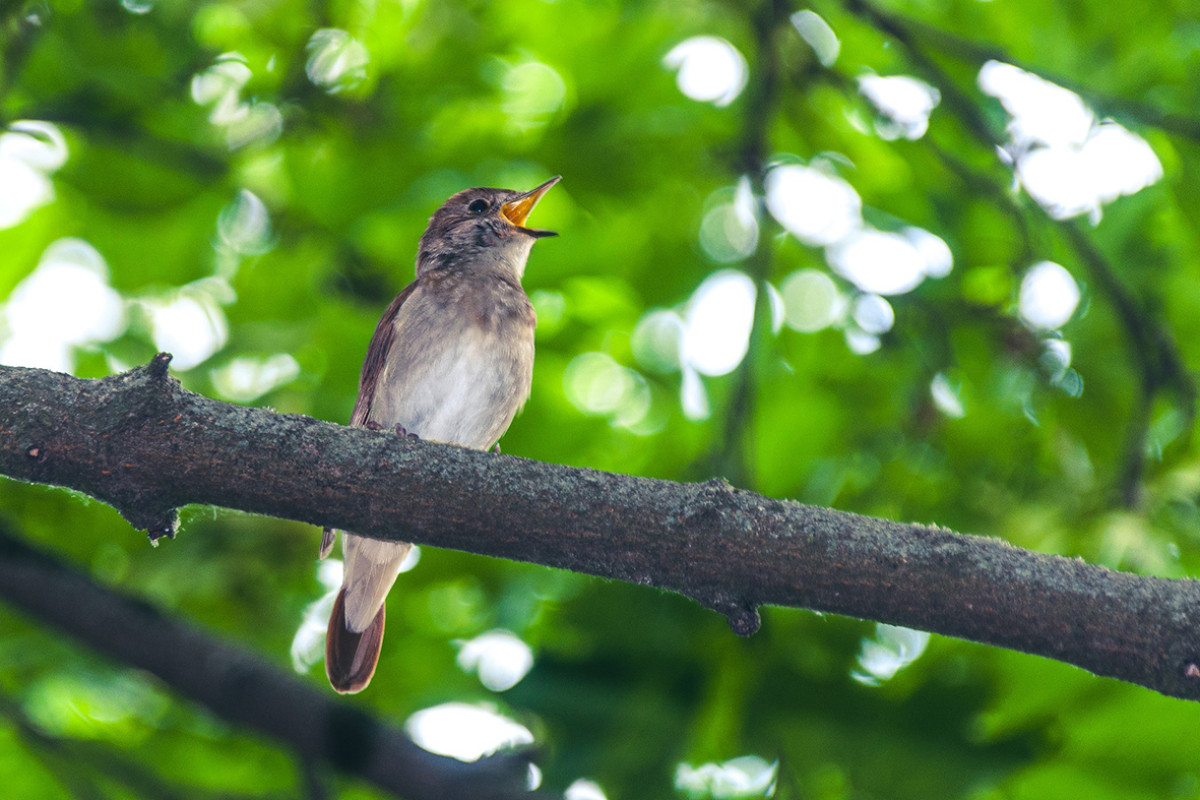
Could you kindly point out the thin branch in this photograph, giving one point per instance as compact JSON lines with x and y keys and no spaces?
{"x":1153,"y":352}
{"x":20,"y":25}
{"x":141,"y":443}
{"x":735,"y":459}
{"x":240,"y":687}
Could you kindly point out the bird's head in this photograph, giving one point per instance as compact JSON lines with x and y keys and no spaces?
{"x":482,"y":228}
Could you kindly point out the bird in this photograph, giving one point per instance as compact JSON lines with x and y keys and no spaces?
{"x":451,"y":361}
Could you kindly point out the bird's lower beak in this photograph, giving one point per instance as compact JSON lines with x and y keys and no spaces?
{"x":517,"y":210}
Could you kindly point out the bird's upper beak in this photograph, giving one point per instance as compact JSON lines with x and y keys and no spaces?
{"x":517,"y":210}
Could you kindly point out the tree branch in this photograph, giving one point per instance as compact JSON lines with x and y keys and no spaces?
{"x":735,"y":457}
{"x":141,"y":443}
{"x":81,"y":766}
{"x":240,"y":687}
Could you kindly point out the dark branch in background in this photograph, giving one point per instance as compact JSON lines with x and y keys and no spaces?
{"x":81,"y":766}
{"x":1153,"y":351}
{"x":1154,"y":354}
{"x":141,"y":443}
{"x":239,"y":686}
{"x":20,"y":25}
{"x":735,"y":460}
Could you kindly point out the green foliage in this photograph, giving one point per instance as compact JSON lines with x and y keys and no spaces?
{"x":229,"y":167}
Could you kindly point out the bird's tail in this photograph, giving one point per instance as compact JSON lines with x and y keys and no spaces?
{"x":350,"y":657}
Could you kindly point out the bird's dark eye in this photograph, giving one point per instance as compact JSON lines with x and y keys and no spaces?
{"x":478,"y":206}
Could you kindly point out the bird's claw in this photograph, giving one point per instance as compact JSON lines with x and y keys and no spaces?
{"x":400,"y":430}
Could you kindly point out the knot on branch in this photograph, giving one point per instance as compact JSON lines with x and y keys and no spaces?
{"x":744,"y":620}
{"x":156,"y":526}
{"x":153,"y":379}
{"x":158,"y":366}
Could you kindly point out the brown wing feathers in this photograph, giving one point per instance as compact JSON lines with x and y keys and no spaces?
{"x":381,"y":342}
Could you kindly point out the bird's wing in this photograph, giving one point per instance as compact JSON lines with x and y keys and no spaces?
{"x":377,"y":350}
{"x":381,"y":343}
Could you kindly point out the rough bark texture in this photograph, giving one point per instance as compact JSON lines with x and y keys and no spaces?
{"x":141,"y":443}
{"x":242,"y":688}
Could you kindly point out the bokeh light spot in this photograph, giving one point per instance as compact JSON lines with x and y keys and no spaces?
{"x":693,"y":397}
{"x":729,"y":230}
{"x":463,"y":731}
{"x":1048,"y":296}
{"x":813,"y":29}
{"x":65,"y":302}
{"x":189,"y":325}
{"x":818,"y":209}
{"x":860,"y":342}
{"x":904,"y":102}
{"x":873,"y":314}
{"x":582,"y":789}
{"x":718,"y":321}
{"x":245,"y":379}
{"x":533,"y":91}
{"x":336,"y":60}
{"x":241,"y":122}
{"x":30,"y":151}
{"x":938,"y":260}
{"x":499,"y":658}
{"x":892,"y":649}
{"x":745,"y":776}
{"x":811,"y":301}
{"x":596,"y":384}
{"x":708,"y":69}
{"x":1042,"y":112}
{"x":244,"y":226}
{"x":946,"y":396}
{"x":878,"y":262}
{"x":657,"y":340}
{"x":137,"y":7}
{"x":1067,"y":162}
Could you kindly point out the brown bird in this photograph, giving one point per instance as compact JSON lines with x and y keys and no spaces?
{"x":451,"y":361}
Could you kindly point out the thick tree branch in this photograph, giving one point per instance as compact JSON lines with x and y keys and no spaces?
{"x":242,"y":688}
{"x":141,"y":443}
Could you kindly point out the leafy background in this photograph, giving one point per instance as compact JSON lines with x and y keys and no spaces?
{"x":256,"y":174}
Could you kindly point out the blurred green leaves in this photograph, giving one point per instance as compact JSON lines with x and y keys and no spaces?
{"x":266,"y":168}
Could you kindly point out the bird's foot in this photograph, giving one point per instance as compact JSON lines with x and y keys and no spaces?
{"x":401,"y":431}
{"x":496,"y":448}
{"x":372,"y":425}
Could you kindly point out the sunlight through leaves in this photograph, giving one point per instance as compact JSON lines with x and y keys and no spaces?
{"x":746,"y":776}
{"x":30,"y":152}
{"x":708,"y":69}
{"x":466,"y":732}
{"x":498,"y":657}
{"x":892,"y":649}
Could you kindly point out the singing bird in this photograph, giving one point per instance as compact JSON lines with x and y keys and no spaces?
{"x":451,"y":361}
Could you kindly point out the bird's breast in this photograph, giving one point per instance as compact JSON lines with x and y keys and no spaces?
{"x":459,"y":369}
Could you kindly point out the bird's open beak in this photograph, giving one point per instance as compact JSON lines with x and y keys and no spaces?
{"x":517,"y":210}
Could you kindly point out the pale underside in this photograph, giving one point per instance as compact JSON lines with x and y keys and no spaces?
{"x":448,"y":378}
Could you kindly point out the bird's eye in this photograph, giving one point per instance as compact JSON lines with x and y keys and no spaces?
{"x":478,"y":206}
